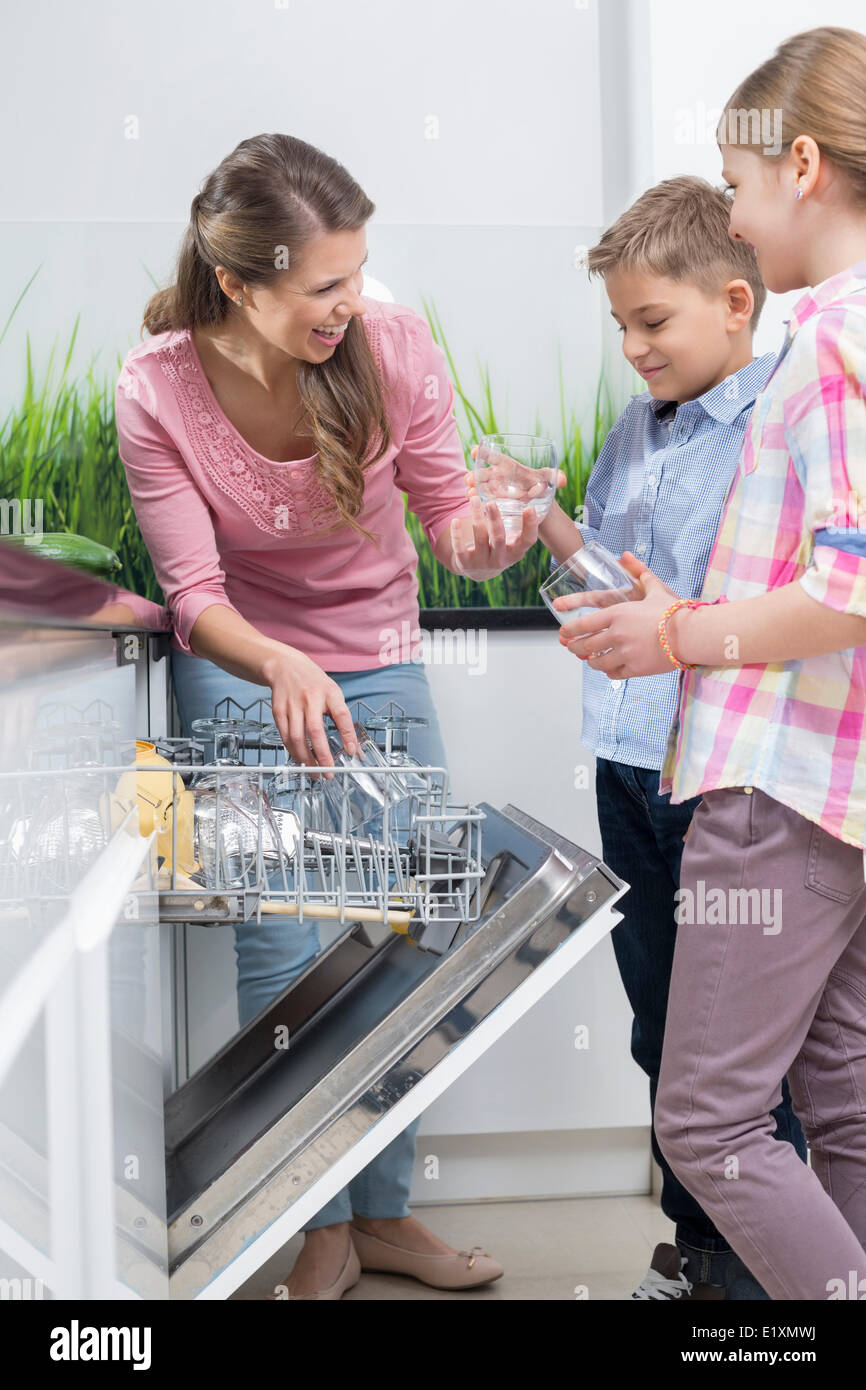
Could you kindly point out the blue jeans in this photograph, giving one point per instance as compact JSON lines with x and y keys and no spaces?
{"x":269,"y":954}
{"x":642,"y":841}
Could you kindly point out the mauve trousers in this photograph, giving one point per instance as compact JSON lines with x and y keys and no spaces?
{"x":749,"y":1003}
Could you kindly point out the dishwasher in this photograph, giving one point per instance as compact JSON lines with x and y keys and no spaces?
{"x":446,"y":923}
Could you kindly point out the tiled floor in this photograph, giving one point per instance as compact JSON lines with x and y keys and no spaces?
{"x":549,"y":1250}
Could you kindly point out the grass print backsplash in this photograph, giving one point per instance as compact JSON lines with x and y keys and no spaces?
{"x":59,"y":443}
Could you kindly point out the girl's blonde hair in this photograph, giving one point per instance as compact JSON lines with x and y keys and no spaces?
{"x":258,"y":210}
{"x":815,"y":84}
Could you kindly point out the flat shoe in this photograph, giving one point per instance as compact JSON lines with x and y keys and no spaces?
{"x":347,"y":1278}
{"x":464,"y":1270}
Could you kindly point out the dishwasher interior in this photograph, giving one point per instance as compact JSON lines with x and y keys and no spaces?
{"x":447,"y":922}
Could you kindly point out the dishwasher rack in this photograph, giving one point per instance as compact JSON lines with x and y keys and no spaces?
{"x":241,"y":839}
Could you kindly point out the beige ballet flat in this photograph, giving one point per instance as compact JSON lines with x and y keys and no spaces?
{"x":465,"y":1270}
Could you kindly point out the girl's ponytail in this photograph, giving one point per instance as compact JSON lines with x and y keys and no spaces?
{"x":815,"y":83}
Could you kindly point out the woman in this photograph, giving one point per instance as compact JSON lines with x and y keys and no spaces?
{"x":269,"y":428}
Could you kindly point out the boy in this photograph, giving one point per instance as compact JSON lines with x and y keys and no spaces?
{"x":687,"y":299}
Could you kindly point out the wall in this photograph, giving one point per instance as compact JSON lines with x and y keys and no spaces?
{"x":461,"y":123}
{"x":697,"y":59}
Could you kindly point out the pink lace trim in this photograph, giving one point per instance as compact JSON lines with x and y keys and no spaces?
{"x":281,"y":499}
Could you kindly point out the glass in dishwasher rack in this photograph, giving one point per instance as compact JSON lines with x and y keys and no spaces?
{"x":239,"y":829}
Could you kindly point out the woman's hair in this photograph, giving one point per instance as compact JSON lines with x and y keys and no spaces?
{"x":680,"y":229}
{"x":814,"y":84}
{"x":256,"y":214}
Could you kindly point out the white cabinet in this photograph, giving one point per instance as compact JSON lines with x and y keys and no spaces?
{"x":82,"y":1171}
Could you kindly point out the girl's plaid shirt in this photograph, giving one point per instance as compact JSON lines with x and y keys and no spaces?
{"x":796,"y":513}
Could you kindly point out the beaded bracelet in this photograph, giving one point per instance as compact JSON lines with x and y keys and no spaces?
{"x":663,"y":632}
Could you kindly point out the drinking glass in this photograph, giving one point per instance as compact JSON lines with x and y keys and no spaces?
{"x":396,"y":728}
{"x":230,"y":807}
{"x":592,"y":569}
{"x":66,"y":834}
{"x":363,"y":793}
{"x":412,"y":782}
{"x":288,"y":798}
{"x":516,"y":471}
{"x":226,"y":735}
{"x":271,"y":737}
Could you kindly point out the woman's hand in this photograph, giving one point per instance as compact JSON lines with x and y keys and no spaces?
{"x":503,"y":474}
{"x":477,"y":545}
{"x":540,"y":475}
{"x":630,"y":629}
{"x":301,"y":694}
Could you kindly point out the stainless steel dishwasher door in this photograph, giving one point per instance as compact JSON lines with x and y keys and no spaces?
{"x":264,"y":1134}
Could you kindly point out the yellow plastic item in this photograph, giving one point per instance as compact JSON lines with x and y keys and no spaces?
{"x":153,"y":792}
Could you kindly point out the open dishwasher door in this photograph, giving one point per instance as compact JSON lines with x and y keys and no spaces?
{"x":359,"y":1045}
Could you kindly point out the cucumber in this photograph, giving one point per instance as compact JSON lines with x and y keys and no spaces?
{"x":78,"y":551}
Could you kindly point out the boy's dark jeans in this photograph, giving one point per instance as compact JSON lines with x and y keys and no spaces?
{"x":642,"y":838}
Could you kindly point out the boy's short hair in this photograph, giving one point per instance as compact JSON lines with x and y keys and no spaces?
{"x":679,"y":229}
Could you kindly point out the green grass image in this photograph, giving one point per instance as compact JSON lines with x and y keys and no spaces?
{"x":59,"y":442}
{"x":518,"y":586}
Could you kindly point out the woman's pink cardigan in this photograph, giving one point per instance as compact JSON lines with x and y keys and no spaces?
{"x":224,"y":525}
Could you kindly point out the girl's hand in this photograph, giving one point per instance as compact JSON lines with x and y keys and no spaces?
{"x":630,"y":630}
{"x":301,"y":694}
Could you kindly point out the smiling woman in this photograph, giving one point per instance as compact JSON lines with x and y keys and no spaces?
{"x":250,"y":247}
{"x":270,"y":428}
{"x":254,"y":374}
{"x":267,"y":462}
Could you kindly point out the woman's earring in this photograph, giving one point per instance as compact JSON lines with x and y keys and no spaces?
{"x":240,"y":299}
{"x":799,"y":195}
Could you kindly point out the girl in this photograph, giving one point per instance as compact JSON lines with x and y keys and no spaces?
{"x":769,"y":972}
{"x":269,"y":429}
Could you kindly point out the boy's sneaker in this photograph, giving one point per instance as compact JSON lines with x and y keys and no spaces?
{"x":665,"y":1282}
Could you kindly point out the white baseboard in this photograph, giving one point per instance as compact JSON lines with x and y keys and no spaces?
{"x":531,"y":1165}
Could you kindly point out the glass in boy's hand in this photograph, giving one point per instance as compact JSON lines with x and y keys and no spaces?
{"x":516,"y":471}
{"x":594,"y":571}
